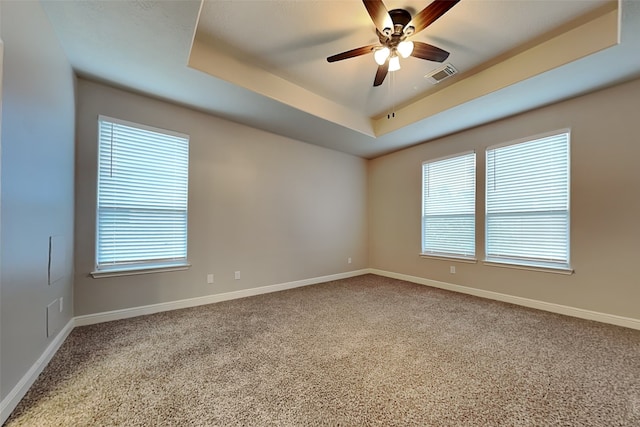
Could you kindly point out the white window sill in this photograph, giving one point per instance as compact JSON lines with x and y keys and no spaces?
{"x":531,"y":267}
{"x":459,"y":258}
{"x":131,"y":271}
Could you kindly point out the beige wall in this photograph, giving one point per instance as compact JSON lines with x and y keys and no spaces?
{"x":275,"y":209}
{"x":605,"y":205}
{"x":37,"y":186}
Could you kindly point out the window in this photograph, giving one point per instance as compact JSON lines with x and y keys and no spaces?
{"x":142,"y":197}
{"x":448,"y":206}
{"x":527,"y":202}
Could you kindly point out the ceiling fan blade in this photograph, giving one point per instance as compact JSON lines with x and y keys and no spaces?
{"x":381,"y":74}
{"x":378,"y":13}
{"x":430,"y":14}
{"x":352,"y":53}
{"x":430,"y":53}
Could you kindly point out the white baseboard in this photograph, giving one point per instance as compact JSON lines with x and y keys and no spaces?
{"x":9,"y":403}
{"x":107,"y":316}
{"x":612,"y":319}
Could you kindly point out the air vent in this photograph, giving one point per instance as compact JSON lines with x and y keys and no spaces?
{"x":438,"y":75}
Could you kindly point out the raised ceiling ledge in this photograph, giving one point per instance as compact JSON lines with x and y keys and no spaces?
{"x":205,"y":58}
{"x":594,"y":32}
{"x":600,"y":31}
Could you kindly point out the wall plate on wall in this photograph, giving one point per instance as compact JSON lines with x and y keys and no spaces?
{"x":57,"y":258}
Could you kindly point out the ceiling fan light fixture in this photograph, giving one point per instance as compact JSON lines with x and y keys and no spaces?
{"x":394,"y":63}
{"x":405,"y":48}
{"x":381,"y":55}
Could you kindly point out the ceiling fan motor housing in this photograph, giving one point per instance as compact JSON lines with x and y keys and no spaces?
{"x":400,"y":17}
{"x":398,"y":33}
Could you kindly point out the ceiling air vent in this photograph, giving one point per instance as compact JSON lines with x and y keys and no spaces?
{"x":438,"y":75}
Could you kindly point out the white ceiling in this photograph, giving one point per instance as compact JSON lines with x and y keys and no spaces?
{"x":263,"y":63}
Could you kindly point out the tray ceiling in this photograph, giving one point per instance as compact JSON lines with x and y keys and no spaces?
{"x":263,"y":63}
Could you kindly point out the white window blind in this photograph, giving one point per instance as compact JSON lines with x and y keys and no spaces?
{"x":448,"y":206}
{"x":142,"y":196}
{"x":527,"y":202}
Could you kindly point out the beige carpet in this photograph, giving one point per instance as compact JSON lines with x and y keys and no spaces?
{"x":357,"y":352}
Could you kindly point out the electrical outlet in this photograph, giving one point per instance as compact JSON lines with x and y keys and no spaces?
{"x":349,"y":260}
{"x":209,"y":278}
{"x":237,"y":275}
{"x":61,"y":302}
{"x":452,"y":269}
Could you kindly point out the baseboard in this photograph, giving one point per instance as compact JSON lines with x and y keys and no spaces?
{"x":108,"y":316}
{"x":612,"y":319}
{"x":10,"y":402}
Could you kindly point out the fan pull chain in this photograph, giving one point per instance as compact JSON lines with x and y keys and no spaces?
{"x":391,"y":85}
{"x":393,"y":98}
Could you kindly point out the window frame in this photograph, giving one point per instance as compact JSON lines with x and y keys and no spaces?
{"x":140,"y":266}
{"x":462,"y":257}
{"x":524,"y":263}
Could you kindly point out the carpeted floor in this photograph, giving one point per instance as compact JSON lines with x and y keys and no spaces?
{"x":364,"y":351}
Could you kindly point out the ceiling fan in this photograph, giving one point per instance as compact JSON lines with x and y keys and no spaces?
{"x":393,"y":28}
